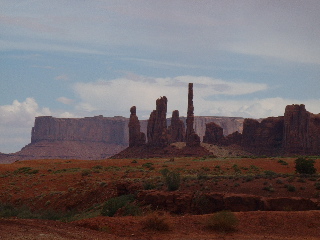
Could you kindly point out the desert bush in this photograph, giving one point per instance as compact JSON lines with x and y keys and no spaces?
{"x":172,"y":180}
{"x":24,"y":212}
{"x":305,"y":166}
{"x":236,"y":169}
{"x":26,"y":170}
{"x":282,"y":162}
{"x":86,"y":172}
{"x":111,"y":206}
{"x":156,"y":221}
{"x":317,"y":185}
{"x":269,"y":173}
{"x":132,"y":209}
{"x":224,"y":221}
{"x":291,"y":188}
{"x":148,"y":185}
{"x":148,"y":165}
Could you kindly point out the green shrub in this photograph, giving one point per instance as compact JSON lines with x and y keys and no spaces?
{"x":282,"y":162}
{"x":305,"y":166}
{"x":156,"y":221}
{"x":148,"y":165}
{"x":291,"y":188}
{"x":317,"y":185}
{"x":148,"y":185}
{"x":132,"y":209}
{"x":86,"y":172}
{"x":24,"y":212}
{"x":224,"y":221}
{"x":26,"y":170}
{"x":111,"y":206}
{"x":236,"y":169}
{"x":269,"y":173}
{"x":172,"y":180}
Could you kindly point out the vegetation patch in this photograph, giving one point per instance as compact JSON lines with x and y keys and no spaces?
{"x":156,"y":221}
{"x":26,"y":170}
{"x":111,"y":206}
{"x":224,"y":221}
{"x":305,"y":166}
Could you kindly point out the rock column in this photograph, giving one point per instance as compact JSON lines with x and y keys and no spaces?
{"x":176,"y":130}
{"x":157,"y":124}
{"x":192,"y":139}
{"x":136,"y":138}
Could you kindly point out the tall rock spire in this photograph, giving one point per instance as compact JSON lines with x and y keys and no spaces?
{"x":136,"y":138}
{"x":192,"y":139}
{"x":157,"y":124}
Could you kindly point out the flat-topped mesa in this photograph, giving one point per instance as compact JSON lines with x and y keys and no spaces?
{"x":136,"y":138}
{"x":192,"y":139}
{"x":176,"y":131}
{"x":93,"y":129}
{"x":157,"y":132}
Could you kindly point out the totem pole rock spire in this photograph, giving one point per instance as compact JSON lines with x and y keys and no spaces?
{"x":176,"y":130}
{"x":136,"y":138}
{"x":157,"y":124}
{"x":192,"y":139}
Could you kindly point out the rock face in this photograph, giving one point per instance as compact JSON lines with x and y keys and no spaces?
{"x":93,"y":129}
{"x":297,"y":132}
{"x":157,"y":124}
{"x":296,"y":124}
{"x":214,"y":134}
{"x":301,"y":130}
{"x":192,"y":139}
{"x":136,"y":138}
{"x":229,"y":124}
{"x":188,"y":202}
{"x":263,"y":137}
{"x":176,"y":130}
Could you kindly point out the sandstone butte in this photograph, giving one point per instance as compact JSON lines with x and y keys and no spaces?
{"x":297,"y":132}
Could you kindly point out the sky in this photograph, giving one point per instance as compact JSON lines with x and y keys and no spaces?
{"x":82,"y":58}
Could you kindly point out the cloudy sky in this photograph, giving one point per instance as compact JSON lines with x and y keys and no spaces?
{"x":79,"y":58}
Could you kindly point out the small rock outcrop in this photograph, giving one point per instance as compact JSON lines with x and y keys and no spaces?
{"x":136,"y":138}
{"x":157,"y":124}
{"x":176,"y":130}
{"x":214,"y":134}
{"x":192,"y":139}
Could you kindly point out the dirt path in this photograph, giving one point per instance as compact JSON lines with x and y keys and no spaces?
{"x":253,"y":225}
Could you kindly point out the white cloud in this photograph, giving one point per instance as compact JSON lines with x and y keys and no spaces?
{"x":210,"y":97}
{"x":121,"y":94}
{"x":21,"y":114}
{"x":65,"y":100}
{"x":17,"y":120}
